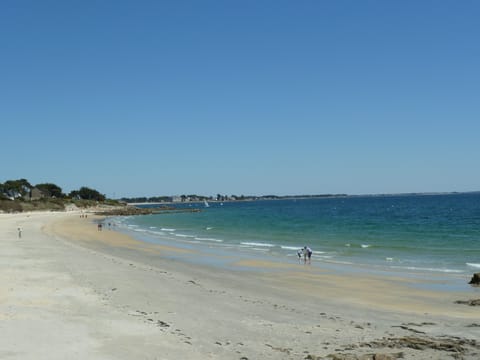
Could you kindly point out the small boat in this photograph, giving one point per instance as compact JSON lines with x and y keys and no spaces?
{"x":206,"y":203}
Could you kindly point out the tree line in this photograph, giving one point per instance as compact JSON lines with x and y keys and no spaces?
{"x":22,"y":189}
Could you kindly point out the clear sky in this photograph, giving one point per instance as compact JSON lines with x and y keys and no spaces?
{"x":147,"y":98}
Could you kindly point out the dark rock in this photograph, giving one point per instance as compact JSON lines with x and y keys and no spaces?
{"x":475,"y":302}
{"x":312,"y":357}
{"x":475,"y":279}
{"x":374,"y":356}
{"x":455,"y":345}
{"x":132,"y":210}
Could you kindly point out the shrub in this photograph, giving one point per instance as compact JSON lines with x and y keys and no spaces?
{"x":10,"y":206}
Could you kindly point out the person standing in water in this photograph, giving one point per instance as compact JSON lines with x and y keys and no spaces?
{"x":307,"y":254}
{"x":300,"y":254}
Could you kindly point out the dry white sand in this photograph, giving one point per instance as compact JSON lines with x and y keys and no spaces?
{"x":70,"y":291}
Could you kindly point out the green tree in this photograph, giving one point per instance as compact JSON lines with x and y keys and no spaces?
{"x":51,"y":190}
{"x":17,"y":188}
{"x":86,"y":193}
{"x":2,"y":191}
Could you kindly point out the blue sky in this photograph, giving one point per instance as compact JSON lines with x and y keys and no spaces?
{"x":145,"y":98}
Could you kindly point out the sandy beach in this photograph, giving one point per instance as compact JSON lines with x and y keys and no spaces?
{"x":71,"y":291}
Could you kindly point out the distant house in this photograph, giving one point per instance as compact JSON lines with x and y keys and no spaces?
{"x":35,"y":194}
{"x":12,"y":195}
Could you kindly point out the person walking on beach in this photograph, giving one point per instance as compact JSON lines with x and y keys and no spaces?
{"x":19,"y":232}
{"x":307,"y":254}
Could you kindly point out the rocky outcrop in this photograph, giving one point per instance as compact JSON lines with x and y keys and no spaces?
{"x":475,"y":302}
{"x":475,"y":279}
{"x":438,"y":347}
{"x":374,"y":356}
{"x":132,"y":210}
{"x":455,"y":345}
{"x":125,"y":211}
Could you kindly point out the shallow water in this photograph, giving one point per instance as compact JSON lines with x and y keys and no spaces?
{"x":413,"y":234}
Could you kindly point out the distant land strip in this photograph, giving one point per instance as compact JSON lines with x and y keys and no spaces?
{"x":222,"y":198}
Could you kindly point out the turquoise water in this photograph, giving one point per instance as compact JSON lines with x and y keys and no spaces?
{"x":434,"y":233}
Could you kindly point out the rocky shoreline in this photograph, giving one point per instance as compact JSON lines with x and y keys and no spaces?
{"x":133,"y":210}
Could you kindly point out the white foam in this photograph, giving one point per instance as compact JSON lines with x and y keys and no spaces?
{"x":473,"y":265}
{"x":317,"y":254}
{"x":257,"y":244}
{"x":167,"y":229}
{"x":365,"y":246}
{"x":208,"y":239}
{"x":184,"y":236}
{"x":415,"y":268}
{"x":208,"y":228}
{"x":290,"y":247}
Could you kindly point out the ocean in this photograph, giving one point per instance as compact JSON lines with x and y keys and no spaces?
{"x":423,"y":233}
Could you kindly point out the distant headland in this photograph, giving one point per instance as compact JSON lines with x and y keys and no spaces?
{"x":20,"y":195}
{"x":225,"y":198}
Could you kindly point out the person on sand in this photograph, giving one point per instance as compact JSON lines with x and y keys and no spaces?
{"x":307,"y":254}
{"x":19,"y":232}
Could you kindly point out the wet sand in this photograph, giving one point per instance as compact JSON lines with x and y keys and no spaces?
{"x":71,"y":291}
